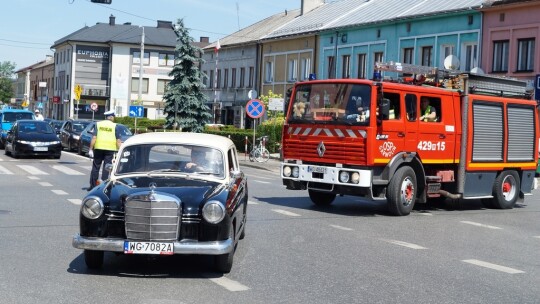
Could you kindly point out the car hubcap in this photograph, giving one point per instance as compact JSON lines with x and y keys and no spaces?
{"x":509,"y":187}
{"x":407,"y":191}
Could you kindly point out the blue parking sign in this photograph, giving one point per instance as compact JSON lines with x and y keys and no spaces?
{"x":136,"y":111}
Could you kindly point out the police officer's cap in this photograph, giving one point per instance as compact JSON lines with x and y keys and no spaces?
{"x":109,"y":113}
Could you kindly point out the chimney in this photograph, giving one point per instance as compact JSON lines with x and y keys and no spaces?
{"x":308,"y":5}
{"x":111,"y":20}
{"x":205,"y":39}
{"x":164,"y":24}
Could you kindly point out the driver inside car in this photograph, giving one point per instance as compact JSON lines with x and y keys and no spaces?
{"x":198,"y":160}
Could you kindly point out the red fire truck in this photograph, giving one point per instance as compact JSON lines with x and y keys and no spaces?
{"x":433,"y":135}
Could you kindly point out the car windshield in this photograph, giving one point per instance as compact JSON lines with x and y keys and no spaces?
{"x":78,"y":127}
{"x":35,"y":127}
{"x":124,"y":131}
{"x":171,"y":158}
{"x":14,"y":116}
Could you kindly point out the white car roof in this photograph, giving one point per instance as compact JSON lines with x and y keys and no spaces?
{"x":200,"y":139}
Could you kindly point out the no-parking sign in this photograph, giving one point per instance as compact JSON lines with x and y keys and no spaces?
{"x":255,"y":108}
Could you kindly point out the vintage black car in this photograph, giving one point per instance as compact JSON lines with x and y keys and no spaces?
{"x":32,"y":138}
{"x":168,"y":193}
{"x":86,"y":136}
{"x":71,"y":132}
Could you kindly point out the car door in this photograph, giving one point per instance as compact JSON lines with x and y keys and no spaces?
{"x":10,"y":138}
{"x":66,"y":131}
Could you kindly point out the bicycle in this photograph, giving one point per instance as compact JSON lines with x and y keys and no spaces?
{"x":259,"y":152}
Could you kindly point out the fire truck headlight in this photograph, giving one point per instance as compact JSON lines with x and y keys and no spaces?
{"x":344,"y":176}
{"x":286,"y":171}
{"x":355,"y":178}
{"x":295,"y":171}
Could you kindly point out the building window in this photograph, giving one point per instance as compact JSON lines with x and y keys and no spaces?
{"x":162,"y":86}
{"x":225,"y":78}
{"x":362,"y":66}
{"x":233,"y":78}
{"x":205,"y":78}
{"x":500,"y":55}
{"x":427,"y":55}
{"x":269,"y":71}
{"x":305,"y":68}
{"x":292,"y":70}
{"x":218,"y":81}
{"x":166,"y":60}
{"x":242,"y":78}
{"x":331,"y":67}
{"x":446,"y":50}
{"x":378,"y":57}
{"x":135,"y":85}
{"x":137,"y":58}
{"x":525,"y":56}
{"x":211,"y":79}
{"x":346,"y":66}
{"x":408,"y":54}
{"x":471,"y":57}
{"x":251,"y":76}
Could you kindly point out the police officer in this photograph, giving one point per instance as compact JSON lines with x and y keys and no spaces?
{"x":104,"y":144}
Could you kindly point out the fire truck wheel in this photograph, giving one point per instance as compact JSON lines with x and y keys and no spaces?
{"x":506,"y":190}
{"x":321,"y":198}
{"x":401,"y":192}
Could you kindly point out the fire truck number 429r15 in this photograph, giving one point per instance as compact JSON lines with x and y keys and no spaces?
{"x":426,"y":135}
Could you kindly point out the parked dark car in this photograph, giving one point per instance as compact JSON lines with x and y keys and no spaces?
{"x":7,"y":117}
{"x":157,"y":202}
{"x":56,"y":124}
{"x":32,"y":138}
{"x":88,"y":132}
{"x":71,"y":132}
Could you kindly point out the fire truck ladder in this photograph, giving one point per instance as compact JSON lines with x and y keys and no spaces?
{"x":478,"y":84}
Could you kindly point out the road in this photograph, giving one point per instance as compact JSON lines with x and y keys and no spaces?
{"x":294,"y":252}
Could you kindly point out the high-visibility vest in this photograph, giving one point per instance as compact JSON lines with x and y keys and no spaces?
{"x":105,"y":138}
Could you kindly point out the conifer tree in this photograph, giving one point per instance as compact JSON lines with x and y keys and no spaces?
{"x":184,"y":101}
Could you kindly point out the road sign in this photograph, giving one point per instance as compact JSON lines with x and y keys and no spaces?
{"x":136,"y":111}
{"x":78,"y":91}
{"x":255,"y":108}
{"x":94,"y":106}
{"x":537,"y":88}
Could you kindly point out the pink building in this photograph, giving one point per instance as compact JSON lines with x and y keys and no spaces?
{"x":510,"y":30}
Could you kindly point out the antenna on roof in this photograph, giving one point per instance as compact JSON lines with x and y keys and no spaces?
{"x":238,"y":14}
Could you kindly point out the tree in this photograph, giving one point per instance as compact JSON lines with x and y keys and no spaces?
{"x":184,"y":101}
{"x":6,"y":89}
{"x":266,"y":100}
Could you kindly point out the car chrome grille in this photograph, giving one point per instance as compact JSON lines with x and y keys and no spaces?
{"x":152,"y":217}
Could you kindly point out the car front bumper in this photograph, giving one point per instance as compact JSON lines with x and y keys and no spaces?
{"x":180,"y":247}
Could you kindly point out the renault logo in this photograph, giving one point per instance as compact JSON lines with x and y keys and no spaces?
{"x":321,"y":149}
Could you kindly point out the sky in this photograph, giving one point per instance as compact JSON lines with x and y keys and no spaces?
{"x":28,"y":28}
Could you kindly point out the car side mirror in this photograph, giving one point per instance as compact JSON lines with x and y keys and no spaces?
{"x":235,"y":174}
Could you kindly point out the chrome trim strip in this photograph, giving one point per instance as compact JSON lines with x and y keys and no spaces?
{"x":182,"y":247}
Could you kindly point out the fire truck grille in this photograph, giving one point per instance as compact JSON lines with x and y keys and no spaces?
{"x":345,"y":152}
{"x":147,"y":219}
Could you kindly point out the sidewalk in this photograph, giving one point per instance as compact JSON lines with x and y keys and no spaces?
{"x":273,"y":164}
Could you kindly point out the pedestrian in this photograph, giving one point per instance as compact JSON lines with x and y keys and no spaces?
{"x":38,"y":115}
{"x":104,"y":144}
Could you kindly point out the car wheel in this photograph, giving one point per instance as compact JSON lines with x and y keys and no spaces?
{"x":93,"y":259}
{"x":2,"y":145}
{"x":320,"y":198}
{"x":14,"y":153}
{"x":224,"y":262}
{"x":506,"y":190}
{"x":70,"y":146}
{"x":401,"y":192}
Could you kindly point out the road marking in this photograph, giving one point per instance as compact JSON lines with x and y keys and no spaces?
{"x":341,"y":227}
{"x":229,"y":284}
{"x":59,"y":192}
{"x":32,"y":170}
{"x":538,"y":236}
{"x":45,"y":184}
{"x":257,"y":176}
{"x":426,"y":213}
{"x":480,"y":225}
{"x":66,"y":170}
{"x":252,"y":203}
{"x":285,"y":212}
{"x":258,"y":181}
{"x":4,"y":171}
{"x":86,"y":167}
{"x":33,"y":177}
{"x":494,"y":266}
{"x":75,"y":201}
{"x":405,"y":244}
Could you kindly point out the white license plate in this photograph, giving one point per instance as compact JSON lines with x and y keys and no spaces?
{"x":148,"y":248}
{"x":41,"y":149}
{"x":316,"y":169}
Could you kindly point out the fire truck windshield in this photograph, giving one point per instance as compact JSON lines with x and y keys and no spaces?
{"x":332,"y":103}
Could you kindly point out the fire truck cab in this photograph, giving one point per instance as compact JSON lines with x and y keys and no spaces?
{"x":432,"y":135}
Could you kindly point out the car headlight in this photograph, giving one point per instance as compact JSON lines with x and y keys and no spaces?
{"x":76,"y":137}
{"x":286,"y":171}
{"x":295,"y":171}
{"x":92,"y":207}
{"x":344,"y":176}
{"x":213,"y":212}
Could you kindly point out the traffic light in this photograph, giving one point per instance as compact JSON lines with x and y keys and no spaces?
{"x":102,"y":1}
